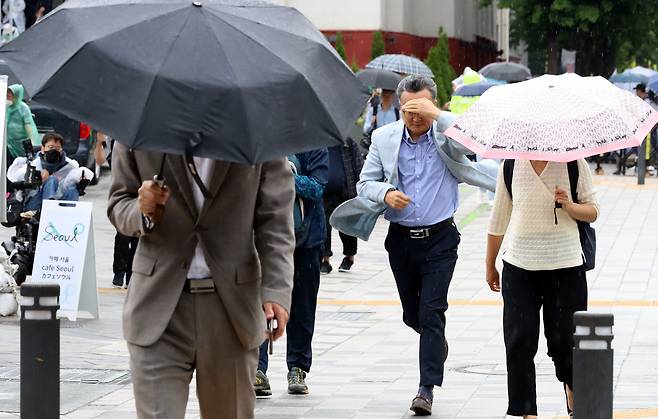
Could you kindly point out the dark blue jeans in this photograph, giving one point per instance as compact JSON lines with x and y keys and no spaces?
{"x":302,"y":311}
{"x":423,"y":270}
{"x":48,"y":191}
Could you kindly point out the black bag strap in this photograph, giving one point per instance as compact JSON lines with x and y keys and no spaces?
{"x":572,"y":167}
{"x":374,"y":102}
{"x":508,"y":174}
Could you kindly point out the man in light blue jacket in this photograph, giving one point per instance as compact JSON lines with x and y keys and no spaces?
{"x":411,"y":176}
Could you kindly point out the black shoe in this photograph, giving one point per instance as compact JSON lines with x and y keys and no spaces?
{"x":262,"y":385}
{"x":345,"y":265}
{"x":421,"y":406}
{"x":325,"y":267}
{"x":297,"y":381}
{"x":118,"y":280}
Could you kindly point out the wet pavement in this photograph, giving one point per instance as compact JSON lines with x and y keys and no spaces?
{"x":365,"y":359}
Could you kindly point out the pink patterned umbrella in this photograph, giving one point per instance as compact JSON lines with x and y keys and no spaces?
{"x":554,"y":118}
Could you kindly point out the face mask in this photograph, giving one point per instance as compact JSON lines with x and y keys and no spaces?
{"x":52,"y":156}
{"x":10,"y":102}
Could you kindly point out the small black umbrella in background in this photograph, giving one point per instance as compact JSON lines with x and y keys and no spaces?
{"x":383,"y":79}
{"x":506,"y":71}
{"x":475,"y":89}
{"x":242,"y":81}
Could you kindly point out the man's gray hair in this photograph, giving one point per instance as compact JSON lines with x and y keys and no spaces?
{"x":415,"y":84}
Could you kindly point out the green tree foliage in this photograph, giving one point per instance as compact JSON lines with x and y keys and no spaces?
{"x":354,"y":65}
{"x":605,"y":33}
{"x":378,"y":46}
{"x":438,"y":60}
{"x":339,"y":44}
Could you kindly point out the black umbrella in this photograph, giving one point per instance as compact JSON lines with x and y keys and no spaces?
{"x":510,"y":72}
{"x":242,"y":81}
{"x":384,"y":79}
{"x":475,"y":89}
{"x":6,"y":71}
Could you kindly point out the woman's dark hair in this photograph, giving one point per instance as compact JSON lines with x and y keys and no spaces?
{"x":52,"y":137}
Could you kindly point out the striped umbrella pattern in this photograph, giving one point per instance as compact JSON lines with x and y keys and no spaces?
{"x":399,"y":63}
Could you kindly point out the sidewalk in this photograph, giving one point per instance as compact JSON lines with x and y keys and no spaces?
{"x":365,"y":359}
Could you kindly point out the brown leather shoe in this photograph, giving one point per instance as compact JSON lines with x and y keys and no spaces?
{"x":421,"y":406}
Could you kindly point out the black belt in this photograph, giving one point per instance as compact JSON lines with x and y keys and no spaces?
{"x":199,"y":286}
{"x":421,"y":232}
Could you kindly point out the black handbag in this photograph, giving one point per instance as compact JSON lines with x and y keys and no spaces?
{"x":587,"y":232}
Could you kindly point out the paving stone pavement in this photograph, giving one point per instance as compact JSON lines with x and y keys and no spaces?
{"x":365,"y":359}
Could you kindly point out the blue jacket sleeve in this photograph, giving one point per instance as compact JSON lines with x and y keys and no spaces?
{"x":315,"y":169}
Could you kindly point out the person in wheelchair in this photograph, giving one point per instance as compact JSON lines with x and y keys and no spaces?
{"x":61,"y":178}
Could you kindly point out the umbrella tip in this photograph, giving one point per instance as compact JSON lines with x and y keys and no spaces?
{"x":197,"y":3}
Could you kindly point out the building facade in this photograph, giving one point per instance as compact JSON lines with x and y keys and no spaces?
{"x":410,"y":27}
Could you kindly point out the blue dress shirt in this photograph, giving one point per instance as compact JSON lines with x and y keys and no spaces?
{"x":425,"y":178}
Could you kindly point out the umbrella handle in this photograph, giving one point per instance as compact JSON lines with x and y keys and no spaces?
{"x":160,"y":181}
{"x":159,"y":211}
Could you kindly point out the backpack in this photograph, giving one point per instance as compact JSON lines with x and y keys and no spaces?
{"x":301,"y":222}
{"x":585,"y":230}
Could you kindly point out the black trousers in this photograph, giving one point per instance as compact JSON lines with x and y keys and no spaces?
{"x":124,"y":253}
{"x":349,"y":242}
{"x":302,"y":311}
{"x":561,"y":293}
{"x":423,"y":270}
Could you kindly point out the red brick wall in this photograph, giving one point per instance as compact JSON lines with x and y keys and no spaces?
{"x":462,"y":53}
{"x":357,"y":45}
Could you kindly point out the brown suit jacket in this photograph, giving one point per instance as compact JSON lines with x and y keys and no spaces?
{"x":245,"y":231}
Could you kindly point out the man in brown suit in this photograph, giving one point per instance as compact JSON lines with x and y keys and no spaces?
{"x":208,"y":271}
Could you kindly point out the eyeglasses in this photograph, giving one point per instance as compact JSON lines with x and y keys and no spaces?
{"x":53,"y":147}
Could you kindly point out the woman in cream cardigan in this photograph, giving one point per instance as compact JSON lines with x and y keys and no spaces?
{"x":542,"y":267}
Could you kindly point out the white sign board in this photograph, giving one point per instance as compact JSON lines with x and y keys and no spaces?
{"x":3,"y":153}
{"x":65,"y":254}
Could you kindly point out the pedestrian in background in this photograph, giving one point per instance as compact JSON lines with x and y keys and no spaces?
{"x":345,"y":163}
{"x":411,"y":176}
{"x":124,"y":246}
{"x":310,"y":170}
{"x":543,"y":269}
{"x":382,"y":110}
{"x":35,"y":10}
{"x":20,"y":124}
{"x":14,"y":14}
{"x":61,"y":177}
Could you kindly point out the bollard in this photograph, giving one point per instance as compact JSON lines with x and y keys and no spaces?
{"x":592,"y":365}
{"x":39,"y":351}
{"x":641,"y":165}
